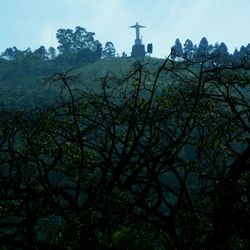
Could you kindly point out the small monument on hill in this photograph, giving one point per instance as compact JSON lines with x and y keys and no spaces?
{"x":138,"y":49}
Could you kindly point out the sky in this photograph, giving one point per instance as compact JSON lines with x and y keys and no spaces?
{"x":32,"y":23}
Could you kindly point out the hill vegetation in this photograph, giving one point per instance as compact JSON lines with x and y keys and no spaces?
{"x":125,"y":153}
{"x":29,"y":90}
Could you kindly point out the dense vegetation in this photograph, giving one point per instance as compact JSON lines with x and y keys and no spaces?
{"x":23,"y":73}
{"x":154,"y":158}
{"x":190,"y":51}
{"x":158,"y":160}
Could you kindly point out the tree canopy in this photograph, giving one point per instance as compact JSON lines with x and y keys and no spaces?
{"x":75,"y":47}
{"x":109,"y":50}
{"x":203,"y":50}
{"x":158,"y":160}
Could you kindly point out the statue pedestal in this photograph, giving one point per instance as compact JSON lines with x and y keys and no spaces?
{"x":138,"y":50}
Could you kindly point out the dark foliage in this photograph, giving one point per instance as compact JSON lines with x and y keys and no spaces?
{"x":75,"y":48}
{"x":158,"y":160}
{"x":109,"y":50}
{"x":219,"y":51}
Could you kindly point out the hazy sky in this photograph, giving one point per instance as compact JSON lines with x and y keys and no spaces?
{"x":32,"y":23}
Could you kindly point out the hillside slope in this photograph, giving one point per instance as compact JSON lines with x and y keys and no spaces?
{"x":25,"y":88}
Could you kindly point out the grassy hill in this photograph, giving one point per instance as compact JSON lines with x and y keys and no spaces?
{"x":90,"y":73}
{"x":21,"y":89}
{"x":101,"y":67}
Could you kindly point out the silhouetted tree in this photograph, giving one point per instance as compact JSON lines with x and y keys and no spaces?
{"x":65,"y":39}
{"x":124,"y":55}
{"x":222,"y":57}
{"x":109,"y":50}
{"x":176,"y":50}
{"x":188,"y":49}
{"x":52,"y":53}
{"x":14,"y":53}
{"x":203,"y":48}
{"x":79,"y":45}
{"x":9,"y":53}
{"x":41,"y":53}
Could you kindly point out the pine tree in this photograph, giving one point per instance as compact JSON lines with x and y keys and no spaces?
{"x":188,"y":49}
{"x":177,"y":50}
{"x":109,"y":50}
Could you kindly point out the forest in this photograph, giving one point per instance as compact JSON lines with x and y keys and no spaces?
{"x":154,"y":157}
